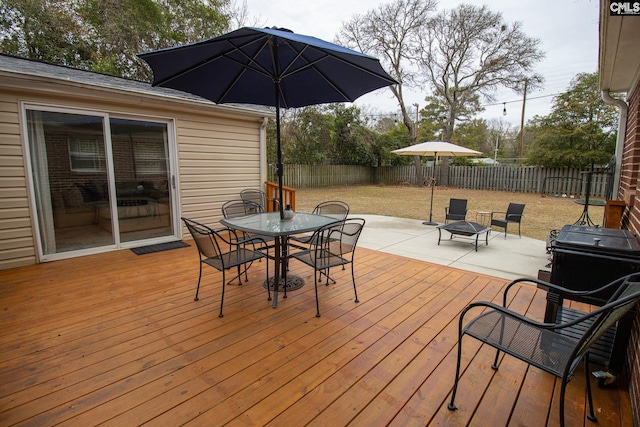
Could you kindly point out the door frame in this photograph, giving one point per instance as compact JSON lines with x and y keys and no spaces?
{"x":173,"y":181}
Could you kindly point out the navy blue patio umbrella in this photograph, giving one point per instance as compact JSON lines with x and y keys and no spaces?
{"x":268,"y":66}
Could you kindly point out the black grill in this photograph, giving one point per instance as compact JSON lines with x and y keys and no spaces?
{"x":586,"y":258}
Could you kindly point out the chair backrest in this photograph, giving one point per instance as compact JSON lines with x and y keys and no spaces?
{"x":333,"y":208}
{"x":205,"y":238}
{"x":255,"y":196}
{"x":624,"y":299}
{"x":514,"y":212}
{"x":458,"y":206}
{"x":236,"y":208}
{"x":260,"y":197}
{"x":341,"y":237}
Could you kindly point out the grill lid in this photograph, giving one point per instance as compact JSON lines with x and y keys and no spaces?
{"x":598,"y":240}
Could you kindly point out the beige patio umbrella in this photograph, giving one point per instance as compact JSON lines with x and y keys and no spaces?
{"x":435,"y":148}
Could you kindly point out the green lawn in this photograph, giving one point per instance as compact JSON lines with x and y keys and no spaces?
{"x":541,"y":215}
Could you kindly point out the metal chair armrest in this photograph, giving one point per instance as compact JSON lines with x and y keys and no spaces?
{"x":494,"y":213}
{"x":506,"y":312}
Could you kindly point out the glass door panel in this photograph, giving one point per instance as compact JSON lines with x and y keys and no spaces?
{"x":142,"y":173}
{"x":78,"y":165}
{"x":70,"y":179}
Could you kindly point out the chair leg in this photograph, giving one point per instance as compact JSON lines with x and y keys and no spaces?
{"x":591,"y":416}
{"x":199,"y":278}
{"x":495,"y":362}
{"x":353,"y":278}
{"x":315,"y":284}
{"x":222,"y":296}
{"x":267,"y":280}
{"x":563,"y":390}
{"x":452,"y":406}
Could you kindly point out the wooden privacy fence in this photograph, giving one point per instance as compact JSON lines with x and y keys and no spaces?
{"x":526,"y":179}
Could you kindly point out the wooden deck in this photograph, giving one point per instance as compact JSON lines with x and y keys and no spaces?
{"x":118,"y":339}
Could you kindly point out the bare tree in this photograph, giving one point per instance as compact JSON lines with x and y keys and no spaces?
{"x":239,"y":16}
{"x":469,"y":52}
{"x":391,"y":33}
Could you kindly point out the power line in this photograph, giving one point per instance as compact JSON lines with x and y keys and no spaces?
{"x":520,"y":100}
{"x":398,"y":114}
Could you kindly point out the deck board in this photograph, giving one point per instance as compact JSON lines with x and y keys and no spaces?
{"x":117,"y":338}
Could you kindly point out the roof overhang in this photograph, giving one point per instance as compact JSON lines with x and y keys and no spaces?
{"x":619,"y":56}
{"x":29,"y":76}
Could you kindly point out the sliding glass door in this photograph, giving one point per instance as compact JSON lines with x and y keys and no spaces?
{"x":98,"y":181}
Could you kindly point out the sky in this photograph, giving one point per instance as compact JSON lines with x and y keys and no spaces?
{"x":567,"y":29}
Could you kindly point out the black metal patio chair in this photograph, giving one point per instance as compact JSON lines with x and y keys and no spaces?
{"x":513,"y":215}
{"x":222,"y":253}
{"x":334,"y":245}
{"x":237,"y":208}
{"x":556,"y":348}
{"x":333,"y":208}
{"x":456,"y":211}
{"x":259,"y":197}
{"x":240,"y":207}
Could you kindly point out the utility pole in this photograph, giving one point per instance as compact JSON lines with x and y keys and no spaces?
{"x":415,"y":129}
{"x":524,"y":102}
{"x":416,"y":159}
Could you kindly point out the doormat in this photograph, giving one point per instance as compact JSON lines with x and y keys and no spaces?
{"x":159,"y":247}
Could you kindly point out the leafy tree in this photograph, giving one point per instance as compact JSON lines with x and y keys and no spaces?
{"x":351,"y":141}
{"x":397,"y":137}
{"x":472,"y":134}
{"x":326,"y":134}
{"x":469,"y":52}
{"x":44,"y":30}
{"x":106,"y":35}
{"x":579,"y":132}
{"x":306,"y":136}
{"x":120,"y":29}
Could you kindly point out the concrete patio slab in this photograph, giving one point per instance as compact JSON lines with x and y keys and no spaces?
{"x":508,"y":258}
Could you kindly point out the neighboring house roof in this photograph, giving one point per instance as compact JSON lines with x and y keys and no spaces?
{"x":16,"y":65}
{"x":619,"y":58}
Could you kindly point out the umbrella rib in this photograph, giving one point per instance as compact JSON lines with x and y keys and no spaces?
{"x":327,"y":54}
{"x":234,"y":48}
{"x":239,"y":51}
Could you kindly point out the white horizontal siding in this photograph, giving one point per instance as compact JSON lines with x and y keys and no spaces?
{"x":16,"y":232}
{"x":218,"y":155}
{"x":218,"y":158}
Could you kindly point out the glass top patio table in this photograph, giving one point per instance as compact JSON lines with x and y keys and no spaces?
{"x":270,"y":224}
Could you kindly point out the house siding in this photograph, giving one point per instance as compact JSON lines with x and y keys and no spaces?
{"x":218,"y":151}
{"x":16,"y":234}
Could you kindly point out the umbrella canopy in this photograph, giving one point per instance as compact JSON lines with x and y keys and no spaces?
{"x":436,"y":148}
{"x":267,"y":66}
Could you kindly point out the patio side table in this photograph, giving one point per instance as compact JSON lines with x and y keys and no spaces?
{"x":483,"y":217}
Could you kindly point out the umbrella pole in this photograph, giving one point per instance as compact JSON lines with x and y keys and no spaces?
{"x":433,"y":180}
{"x":280,"y":172}
{"x":279,"y":167}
